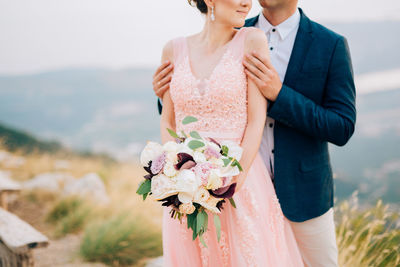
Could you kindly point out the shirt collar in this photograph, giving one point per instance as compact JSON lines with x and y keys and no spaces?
{"x":284,"y":28}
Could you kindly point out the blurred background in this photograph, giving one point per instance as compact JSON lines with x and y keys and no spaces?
{"x":77,"y":106}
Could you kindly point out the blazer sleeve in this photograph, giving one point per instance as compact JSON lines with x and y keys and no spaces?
{"x":159,"y":105}
{"x":332,"y":121}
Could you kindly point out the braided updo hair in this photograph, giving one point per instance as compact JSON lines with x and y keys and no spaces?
{"x":200,"y":4}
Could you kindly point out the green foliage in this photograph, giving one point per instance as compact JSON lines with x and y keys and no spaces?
{"x":120,"y":240}
{"x":172,"y":133}
{"x":367,"y":238}
{"x":69,"y":215}
{"x":144,"y":188}
{"x":194,"y":144}
{"x":195,"y":134}
{"x":14,"y":140}
{"x":188,"y":119}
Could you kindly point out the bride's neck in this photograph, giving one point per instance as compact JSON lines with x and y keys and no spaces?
{"x":215,"y":35}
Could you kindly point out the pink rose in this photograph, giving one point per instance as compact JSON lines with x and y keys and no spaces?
{"x":202,"y":170}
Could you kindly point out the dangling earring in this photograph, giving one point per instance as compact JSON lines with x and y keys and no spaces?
{"x":212,"y":14}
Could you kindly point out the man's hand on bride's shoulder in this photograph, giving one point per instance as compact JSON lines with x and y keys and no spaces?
{"x":162,"y":78}
{"x":259,"y":69}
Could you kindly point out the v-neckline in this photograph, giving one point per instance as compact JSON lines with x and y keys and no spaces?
{"x":225,"y":46}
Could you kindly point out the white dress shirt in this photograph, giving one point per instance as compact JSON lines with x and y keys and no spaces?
{"x":281,"y":40}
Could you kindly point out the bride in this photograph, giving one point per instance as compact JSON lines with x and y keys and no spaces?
{"x":209,"y":83}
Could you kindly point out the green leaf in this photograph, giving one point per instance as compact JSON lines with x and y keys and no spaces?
{"x":232,"y":202}
{"x":194,"y":144}
{"x":188,"y":119}
{"x":202,"y":241}
{"x":144,"y":187}
{"x":145,"y":196}
{"x":195,"y":134}
{"x":217,"y":223}
{"x":236,"y":163}
{"x":172,"y":133}
{"x":226,"y":161}
{"x":194,"y":229}
{"x":200,"y":219}
{"x":190,"y":219}
{"x":225,"y":150}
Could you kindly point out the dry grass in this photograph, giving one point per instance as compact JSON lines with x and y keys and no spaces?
{"x":369,"y":237}
{"x":114,"y":233}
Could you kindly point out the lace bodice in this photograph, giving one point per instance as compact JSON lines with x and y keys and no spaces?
{"x":218,"y":102}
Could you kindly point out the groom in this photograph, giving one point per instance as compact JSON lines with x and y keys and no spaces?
{"x":309,"y":85}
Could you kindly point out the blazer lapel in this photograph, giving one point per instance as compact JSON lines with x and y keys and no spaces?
{"x":301,"y":46}
{"x":251,"y":22}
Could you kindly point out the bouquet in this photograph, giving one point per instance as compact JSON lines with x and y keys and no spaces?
{"x":192,"y":175}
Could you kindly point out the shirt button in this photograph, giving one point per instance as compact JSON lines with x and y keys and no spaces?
{"x":273,"y":151}
{"x":273,"y":30}
{"x":271,"y":125}
{"x":271,"y":48}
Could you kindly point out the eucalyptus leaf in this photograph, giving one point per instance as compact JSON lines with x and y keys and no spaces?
{"x":226,"y":161}
{"x":232,"y":202}
{"x":145,"y":196}
{"x":194,"y":144}
{"x":217,"y":223}
{"x":195,"y":134}
{"x":188,"y":119}
{"x":172,"y":133}
{"x":200,"y":219}
{"x":144,"y":187}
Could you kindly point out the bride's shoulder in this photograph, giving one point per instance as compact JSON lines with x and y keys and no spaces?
{"x":255,"y":39}
{"x":168,"y":51}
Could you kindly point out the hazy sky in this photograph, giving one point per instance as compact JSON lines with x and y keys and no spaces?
{"x":42,"y":35}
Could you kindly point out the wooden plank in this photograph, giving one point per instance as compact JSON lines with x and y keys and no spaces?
{"x":3,"y":200}
{"x":18,"y":235}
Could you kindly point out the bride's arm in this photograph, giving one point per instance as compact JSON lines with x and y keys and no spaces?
{"x":167,"y":116}
{"x":256,"y":108}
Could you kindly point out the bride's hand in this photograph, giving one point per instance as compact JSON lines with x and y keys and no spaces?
{"x":239,"y":180}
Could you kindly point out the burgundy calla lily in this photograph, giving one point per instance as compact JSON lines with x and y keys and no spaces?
{"x":224,"y":192}
{"x":182,"y":159}
{"x":214,"y":141}
{"x":148,"y":169}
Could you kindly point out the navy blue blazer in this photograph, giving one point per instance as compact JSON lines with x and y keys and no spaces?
{"x":316,"y":105}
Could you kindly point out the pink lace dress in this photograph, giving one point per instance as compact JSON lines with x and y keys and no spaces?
{"x":255,"y":233}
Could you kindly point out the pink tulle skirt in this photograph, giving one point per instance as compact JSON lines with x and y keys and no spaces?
{"x":254,"y":234}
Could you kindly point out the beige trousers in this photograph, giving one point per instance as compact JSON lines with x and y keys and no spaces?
{"x":316,"y":239}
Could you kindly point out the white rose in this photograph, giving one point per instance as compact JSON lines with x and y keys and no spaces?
{"x":211,"y":204}
{"x":214,"y":180}
{"x":199,"y":157}
{"x":162,"y":187}
{"x":150,"y":152}
{"x":235,"y":151}
{"x":171,"y":146}
{"x":228,"y":171}
{"x":172,"y":157}
{"x":169,"y":170}
{"x":187,"y":208}
{"x":218,"y":162}
{"x":183,"y":148}
{"x":201,"y":195}
{"x":187,"y":184}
